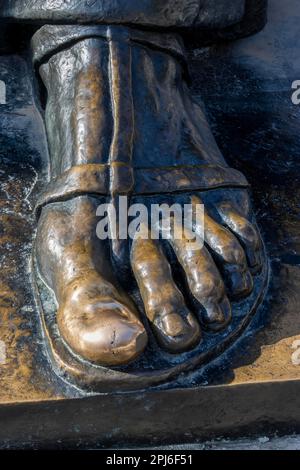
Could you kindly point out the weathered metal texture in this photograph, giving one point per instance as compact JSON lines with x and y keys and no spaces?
{"x":212,"y":19}
{"x":239,"y":392}
{"x":23,"y":164}
{"x":156,"y":13}
{"x":95,"y":179}
{"x":120,"y":121}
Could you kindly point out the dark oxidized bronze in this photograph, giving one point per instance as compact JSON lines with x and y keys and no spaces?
{"x":107,"y":105}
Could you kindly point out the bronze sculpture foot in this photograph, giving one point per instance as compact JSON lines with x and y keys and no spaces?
{"x":120,"y":121}
{"x":95,"y":318}
{"x":222,"y":269}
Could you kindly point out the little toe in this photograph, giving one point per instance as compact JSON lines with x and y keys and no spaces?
{"x":247,"y":234}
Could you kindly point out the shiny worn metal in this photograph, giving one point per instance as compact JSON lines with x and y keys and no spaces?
{"x":252,"y":387}
{"x":120,"y":120}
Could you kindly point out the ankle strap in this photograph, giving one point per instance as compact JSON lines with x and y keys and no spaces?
{"x":94,"y":179}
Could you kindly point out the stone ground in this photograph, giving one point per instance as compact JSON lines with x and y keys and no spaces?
{"x":260,"y":443}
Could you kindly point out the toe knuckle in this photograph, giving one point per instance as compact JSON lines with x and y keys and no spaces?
{"x":233,"y":253}
{"x":209,"y":288}
{"x":251,"y":236}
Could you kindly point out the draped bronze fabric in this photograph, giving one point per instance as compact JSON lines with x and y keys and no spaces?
{"x":144,"y":106}
{"x":211,"y":18}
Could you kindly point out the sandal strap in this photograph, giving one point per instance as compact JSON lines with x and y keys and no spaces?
{"x":95,"y":179}
{"x":50,"y":39}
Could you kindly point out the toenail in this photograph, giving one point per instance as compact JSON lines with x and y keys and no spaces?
{"x":173,"y":325}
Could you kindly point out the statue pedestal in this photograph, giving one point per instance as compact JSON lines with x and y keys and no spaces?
{"x":254,"y":387}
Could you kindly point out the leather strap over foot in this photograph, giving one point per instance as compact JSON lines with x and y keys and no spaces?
{"x":95,"y":179}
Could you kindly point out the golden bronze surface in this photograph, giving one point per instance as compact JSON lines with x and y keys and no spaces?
{"x":120,"y":121}
{"x":99,"y":128}
{"x":192,"y":383}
